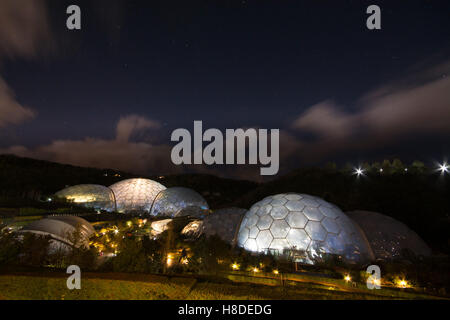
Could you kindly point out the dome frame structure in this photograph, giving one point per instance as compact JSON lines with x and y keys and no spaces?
{"x":179,"y":201}
{"x":303,"y":227}
{"x":136,"y":194}
{"x":61,"y":229}
{"x":388,"y":237}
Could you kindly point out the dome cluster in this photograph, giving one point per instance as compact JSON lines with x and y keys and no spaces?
{"x":302,"y":227}
{"x":138,"y":195}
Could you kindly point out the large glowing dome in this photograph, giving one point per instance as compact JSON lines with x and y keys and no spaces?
{"x":389,"y":238}
{"x":90,"y":195}
{"x":136,"y":195}
{"x":303,"y":227}
{"x":179,"y":201}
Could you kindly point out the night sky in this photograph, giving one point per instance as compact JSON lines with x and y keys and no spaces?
{"x":110,"y":94}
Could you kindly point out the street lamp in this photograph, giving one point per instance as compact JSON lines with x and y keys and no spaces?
{"x":358,"y":171}
{"x":443,"y":168}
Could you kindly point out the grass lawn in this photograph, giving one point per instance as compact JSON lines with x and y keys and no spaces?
{"x":117,"y":286}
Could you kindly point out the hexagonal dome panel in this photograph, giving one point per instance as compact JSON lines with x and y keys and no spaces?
{"x":298,"y":239}
{"x":265,"y":222}
{"x":296,"y":219}
{"x":280,"y":229}
{"x":316,"y":231}
{"x":313,"y":214}
{"x":304,"y":227}
{"x":264,"y":239}
{"x":279,"y":212}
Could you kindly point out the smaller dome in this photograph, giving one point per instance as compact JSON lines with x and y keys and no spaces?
{"x":85,"y":227}
{"x":178,"y":202}
{"x":388,"y":237}
{"x":136,"y":195}
{"x":224,"y":223}
{"x":90,"y":195}
{"x":61,"y":230}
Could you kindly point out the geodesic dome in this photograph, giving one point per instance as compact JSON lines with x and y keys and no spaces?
{"x":61,"y":230}
{"x":136,"y":195}
{"x":224,"y":223}
{"x":304,"y":227}
{"x":388,"y":237}
{"x":90,"y":195}
{"x":178,"y":202}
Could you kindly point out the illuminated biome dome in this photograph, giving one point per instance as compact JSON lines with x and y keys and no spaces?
{"x":62,"y":231}
{"x":136,"y":195}
{"x":224,"y":223}
{"x":304,"y":227}
{"x":179,"y":201}
{"x":90,"y":195}
{"x":389,"y":238}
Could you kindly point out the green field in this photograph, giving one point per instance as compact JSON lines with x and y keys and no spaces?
{"x":150,"y":287}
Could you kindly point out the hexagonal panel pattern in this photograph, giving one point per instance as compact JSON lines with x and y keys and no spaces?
{"x":136,"y":195}
{"x":179,"y":201}
{"x":305,"y":227}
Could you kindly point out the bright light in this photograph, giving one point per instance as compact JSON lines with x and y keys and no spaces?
{"x":275,"y":271}
{"x":402,"y":284}
{"x":443,"y":168}
{"x":381,"y":170}
{"x":347,"y":278}
{"x":235,"y":266}
{"x":255,"y":269}
{"x":376,"y":282}
{"x":358,"y":171}
{"x":169,"y":260}
{"x":116,"y":231}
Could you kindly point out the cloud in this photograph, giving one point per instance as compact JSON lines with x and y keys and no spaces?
{"x":119,"y":153}
{"x":133,"y":123}
{"x":415,"y":105}
{"x":24,"y":28}
{"x":24,"y":32}
{"x":326,"y":120}
{"x":11,"y":112}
